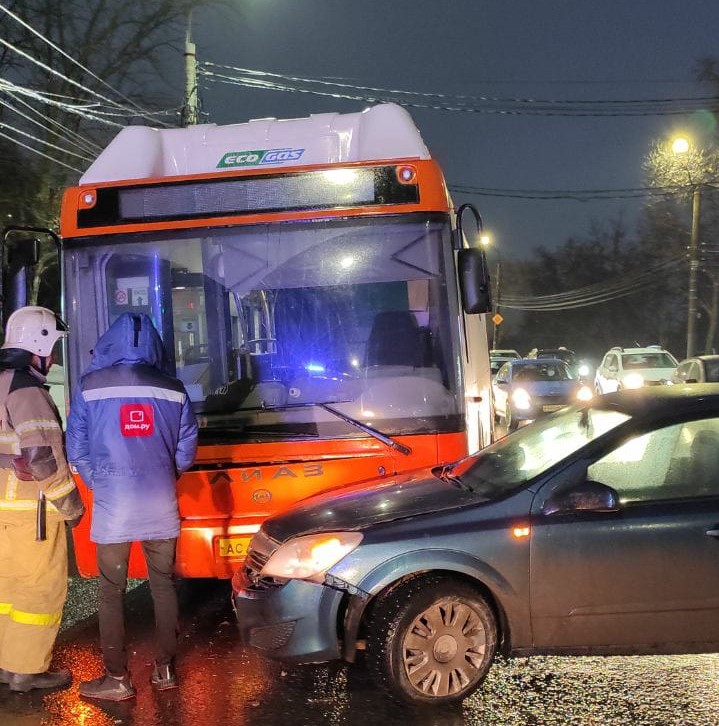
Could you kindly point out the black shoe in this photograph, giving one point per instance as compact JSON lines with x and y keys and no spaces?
{"x":24,"y":682}
{"x":164,"y":677}
{"x":109,"y":688}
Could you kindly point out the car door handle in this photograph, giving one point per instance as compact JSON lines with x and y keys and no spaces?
{"x":712,"y":533}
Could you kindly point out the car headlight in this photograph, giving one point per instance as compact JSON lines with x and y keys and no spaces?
{"x":585,"y":393}
{"x":310,"y":556}
{"x":583,"y":370}
{"x":521,"y":399}
{"x":633,"y":380}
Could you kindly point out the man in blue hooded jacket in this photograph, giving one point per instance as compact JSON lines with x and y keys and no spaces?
{"x":130,"y":434}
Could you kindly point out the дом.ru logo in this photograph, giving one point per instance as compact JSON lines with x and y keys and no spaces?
{"x":258,"y":157}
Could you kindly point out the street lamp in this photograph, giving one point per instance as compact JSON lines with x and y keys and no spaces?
{"x":681,"y":145}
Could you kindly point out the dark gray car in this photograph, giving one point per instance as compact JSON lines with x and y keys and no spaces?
{"x":591,"y":531}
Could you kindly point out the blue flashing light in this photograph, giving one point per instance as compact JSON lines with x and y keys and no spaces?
{"x":314,"y":368}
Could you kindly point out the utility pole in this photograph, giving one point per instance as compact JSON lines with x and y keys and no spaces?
{"x":495,"y":332}
{"x":191,"y":107}
{"x":693,"y":270}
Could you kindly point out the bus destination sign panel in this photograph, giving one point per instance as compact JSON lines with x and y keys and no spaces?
{"x":328,"y":189}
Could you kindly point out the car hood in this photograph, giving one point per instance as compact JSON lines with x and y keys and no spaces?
{"x":651,"y":374}
{"x":372,"y":502}
{"x":548,"y":388}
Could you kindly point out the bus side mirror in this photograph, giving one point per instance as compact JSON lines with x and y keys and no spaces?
{"x":23,"y":253}
{"x":18,"y":254}
{"x":474,"y":283}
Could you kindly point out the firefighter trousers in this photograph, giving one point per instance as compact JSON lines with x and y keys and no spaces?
{"x":33,"y":589}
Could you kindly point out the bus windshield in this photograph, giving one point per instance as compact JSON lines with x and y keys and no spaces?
{"x":262,"y":322}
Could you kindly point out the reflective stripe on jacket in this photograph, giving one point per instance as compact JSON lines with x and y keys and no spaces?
{"x":131,"y":432}
{"x":28,"y":420}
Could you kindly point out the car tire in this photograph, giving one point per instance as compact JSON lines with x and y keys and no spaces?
{"x":509,"y":421}
{"x":431,"y":641}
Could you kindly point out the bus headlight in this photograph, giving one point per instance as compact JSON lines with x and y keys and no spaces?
{"x":633,"y":380}
{"x":521,"y":399}
{"x":309,"y":557}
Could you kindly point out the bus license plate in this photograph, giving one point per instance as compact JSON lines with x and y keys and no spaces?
{"x":553,"y":407}
{"x":233,"y":546}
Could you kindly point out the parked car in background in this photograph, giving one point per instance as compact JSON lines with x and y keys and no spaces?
{"x":634,"y":368}
{"x":526,"y":389}
{"x":498,"y":357}
{"x":591,"y":531}
{"x":579,"y":368}
{"x":700,"y":369}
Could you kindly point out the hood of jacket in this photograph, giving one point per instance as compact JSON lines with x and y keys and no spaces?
{"x":132,"y":338}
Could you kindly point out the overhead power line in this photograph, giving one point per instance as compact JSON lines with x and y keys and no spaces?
{"x":142,"y":112}
{"x":581,"y":195}
{"x":42,"y":141}
{"x":51,"y":126}
{"x":457,"y":102}
{"x":40,"y":153}
{"x":596,"y":293}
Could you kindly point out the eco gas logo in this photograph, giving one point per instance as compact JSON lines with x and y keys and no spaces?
{"x":259,"y":157}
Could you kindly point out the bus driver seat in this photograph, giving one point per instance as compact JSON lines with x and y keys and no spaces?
{"x":395,"y":340}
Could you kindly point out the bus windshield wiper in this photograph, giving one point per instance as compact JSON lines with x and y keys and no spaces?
{"x":384,"y":438}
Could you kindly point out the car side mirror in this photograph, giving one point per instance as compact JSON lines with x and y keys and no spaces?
{"x":589,"y":496}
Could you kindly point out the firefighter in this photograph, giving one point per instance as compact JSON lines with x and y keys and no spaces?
{"x":37,"y":497}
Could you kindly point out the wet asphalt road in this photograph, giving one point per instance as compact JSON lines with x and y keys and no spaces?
{"x":224,"y":684}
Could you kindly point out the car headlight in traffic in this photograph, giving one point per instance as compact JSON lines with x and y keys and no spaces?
{"x":585,"y":393}
{"x":633,"y":380}
{"x":583,"y":369}
{"x":309,"y":557}
{"x":521,"y":399}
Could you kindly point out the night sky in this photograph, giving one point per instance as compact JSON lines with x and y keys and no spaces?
{"x":563,"y":50}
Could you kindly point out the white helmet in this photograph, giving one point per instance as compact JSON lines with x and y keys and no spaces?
{"x":34,"y":329}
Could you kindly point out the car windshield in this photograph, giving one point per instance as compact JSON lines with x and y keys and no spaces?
{"x":648,"y":360}
{"x":555,"y":371}
{"x":531,"y":450}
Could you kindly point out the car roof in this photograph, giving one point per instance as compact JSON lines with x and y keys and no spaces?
{"x":645,"y":349}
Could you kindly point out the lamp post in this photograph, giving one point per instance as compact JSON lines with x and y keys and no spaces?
{"x":693,"y":270}
{"x":486,"y":241}
{"x":680,"y":145}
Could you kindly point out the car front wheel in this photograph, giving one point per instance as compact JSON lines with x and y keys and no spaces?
{"x":431,"y":640}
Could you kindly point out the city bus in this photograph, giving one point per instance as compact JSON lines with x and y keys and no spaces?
{"x":315,"y":292}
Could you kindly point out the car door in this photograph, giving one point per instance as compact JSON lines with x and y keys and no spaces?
{"x":500,"y":390}
{"x":604,"y":372}
{"x":647,"y":575}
